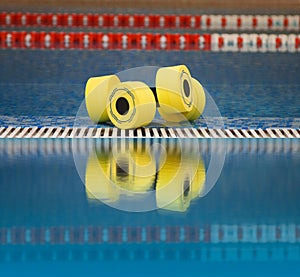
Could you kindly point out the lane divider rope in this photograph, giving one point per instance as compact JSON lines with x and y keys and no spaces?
{"x":150,"y":41}
{"x":161,"y":21}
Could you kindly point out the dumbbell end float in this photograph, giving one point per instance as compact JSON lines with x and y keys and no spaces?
{"x":174,"y":89}
{"x":131,"y":105}
{"x":171,"y":114}
{"x":97,"y":91}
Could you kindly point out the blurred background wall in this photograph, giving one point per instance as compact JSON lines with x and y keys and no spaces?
{"x":180,"y":5}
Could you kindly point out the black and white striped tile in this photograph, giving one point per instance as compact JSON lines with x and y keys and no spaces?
{"x":86,"y":132}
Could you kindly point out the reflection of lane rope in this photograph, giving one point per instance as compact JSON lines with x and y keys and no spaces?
{"x":212,"y":234}
{"x":191,"y":253}
{"x":215,"y":42}
{"x":161,"y":21}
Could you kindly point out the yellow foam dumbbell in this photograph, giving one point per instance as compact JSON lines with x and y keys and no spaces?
{"x":178,"y":96}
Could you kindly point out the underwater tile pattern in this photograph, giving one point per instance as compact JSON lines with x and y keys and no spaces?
{"x":46,"y":88}
{"x":242,"y":85}
{"x":229,"y":122}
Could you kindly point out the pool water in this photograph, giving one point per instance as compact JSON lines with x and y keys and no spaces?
{"x":248,"y":222}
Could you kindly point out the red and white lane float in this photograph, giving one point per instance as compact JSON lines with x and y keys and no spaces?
{"x":157,"y":21}
{"x":215,"y":42}
{"x":254,"y":42}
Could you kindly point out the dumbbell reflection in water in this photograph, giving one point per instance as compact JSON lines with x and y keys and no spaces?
{"x":132,"y":104}
{"x":175,"y":176}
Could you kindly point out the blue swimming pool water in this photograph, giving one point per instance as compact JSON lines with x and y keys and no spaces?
{"x":257,"y":187}
{"x":249,"y":222}
{"x":242,"y":84}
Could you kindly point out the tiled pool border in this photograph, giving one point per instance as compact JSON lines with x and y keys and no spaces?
{"x":228,"y":122}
